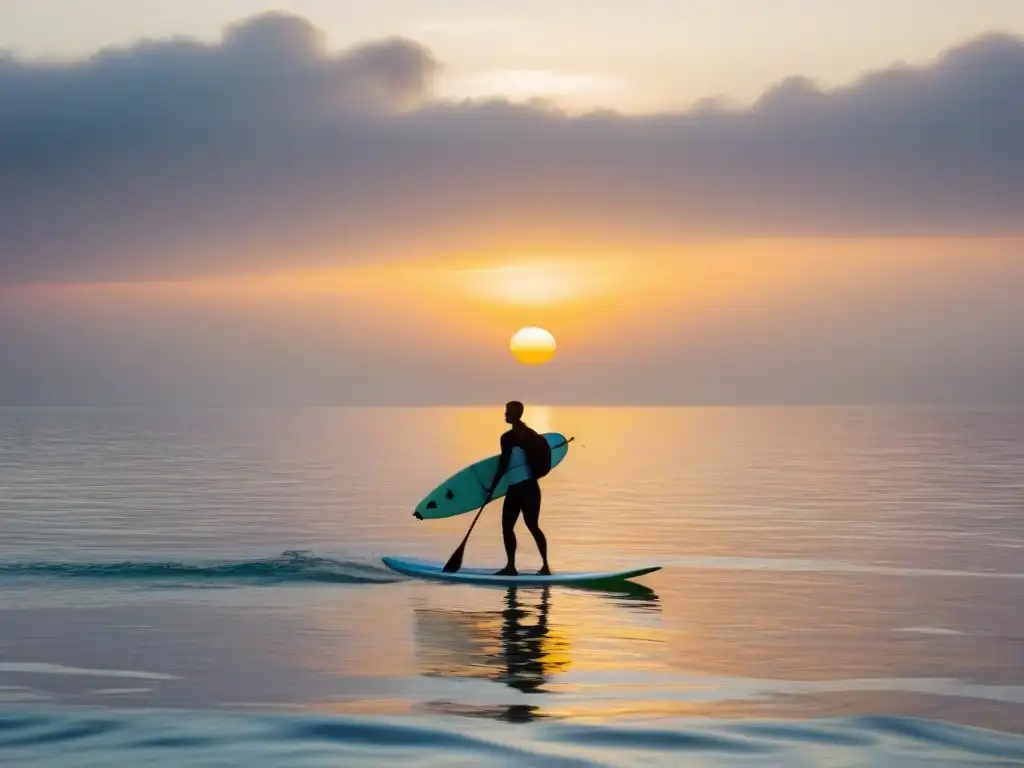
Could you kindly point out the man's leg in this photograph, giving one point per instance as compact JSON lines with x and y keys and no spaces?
{"x":531,"y":516}
{"x":509,"y":515}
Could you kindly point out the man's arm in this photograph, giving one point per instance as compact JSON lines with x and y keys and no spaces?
{"x":503,"y":462}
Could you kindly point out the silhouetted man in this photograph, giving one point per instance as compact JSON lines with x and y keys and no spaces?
{"x":523,"y":496}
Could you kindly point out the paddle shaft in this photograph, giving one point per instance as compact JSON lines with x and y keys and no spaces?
{"x":475,"y":518}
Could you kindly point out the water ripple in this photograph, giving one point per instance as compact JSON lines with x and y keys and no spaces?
{"x":73,"y":737}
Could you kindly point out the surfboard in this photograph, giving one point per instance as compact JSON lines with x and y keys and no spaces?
{"x":466,"y":490}
{"x":427,"y":569}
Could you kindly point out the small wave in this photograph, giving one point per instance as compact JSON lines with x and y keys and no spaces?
{"x":130,"y":738}
{"x":290,"y":566}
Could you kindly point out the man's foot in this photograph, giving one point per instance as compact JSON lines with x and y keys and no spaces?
{"x":544,"y":571}
{"x":508,"y":570}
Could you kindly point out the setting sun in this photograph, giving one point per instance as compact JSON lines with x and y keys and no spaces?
{"x":532,"y":346}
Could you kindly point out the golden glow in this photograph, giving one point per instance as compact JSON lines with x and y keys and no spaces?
{"x":603,"y":301}
{"x":533,"y":346}
{"x":555,"y":281}
{"x":539,"y":417}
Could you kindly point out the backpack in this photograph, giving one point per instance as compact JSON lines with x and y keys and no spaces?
{"x":538,"y":454}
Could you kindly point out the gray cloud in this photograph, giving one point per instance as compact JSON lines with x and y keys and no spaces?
{"x":173,"y":158}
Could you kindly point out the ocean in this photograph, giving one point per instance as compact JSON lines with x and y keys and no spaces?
{"x":203,"y":587}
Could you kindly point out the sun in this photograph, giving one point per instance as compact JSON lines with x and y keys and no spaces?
{"x":532,"y":346}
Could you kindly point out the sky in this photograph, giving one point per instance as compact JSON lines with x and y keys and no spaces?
{"x":231,"y":202}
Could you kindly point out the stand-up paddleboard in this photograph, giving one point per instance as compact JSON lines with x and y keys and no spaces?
{"x":425,"y":569}
{"x":466,"y":490}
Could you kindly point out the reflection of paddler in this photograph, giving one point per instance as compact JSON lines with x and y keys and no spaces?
{"x":531,"y":651}
{"x":499,"y":645}
{"x":507,"y":646}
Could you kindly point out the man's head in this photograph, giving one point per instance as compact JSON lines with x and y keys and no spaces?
{"x":513,"y":412}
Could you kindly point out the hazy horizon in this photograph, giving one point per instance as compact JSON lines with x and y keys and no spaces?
{"x":281,"y":213}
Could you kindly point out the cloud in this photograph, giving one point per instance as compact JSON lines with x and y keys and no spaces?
{"x":172,"y":158}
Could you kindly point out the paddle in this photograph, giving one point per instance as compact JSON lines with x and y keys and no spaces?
{"x":455,"y":561}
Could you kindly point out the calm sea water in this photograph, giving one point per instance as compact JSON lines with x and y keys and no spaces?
{"x":203,"y":587}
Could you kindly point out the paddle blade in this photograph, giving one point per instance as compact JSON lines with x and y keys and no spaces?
{"x":455,"y":561}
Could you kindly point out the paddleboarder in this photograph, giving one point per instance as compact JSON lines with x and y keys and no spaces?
{"x":522,"y":497}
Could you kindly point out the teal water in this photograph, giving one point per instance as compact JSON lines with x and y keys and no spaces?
{"x":203,"y":587}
